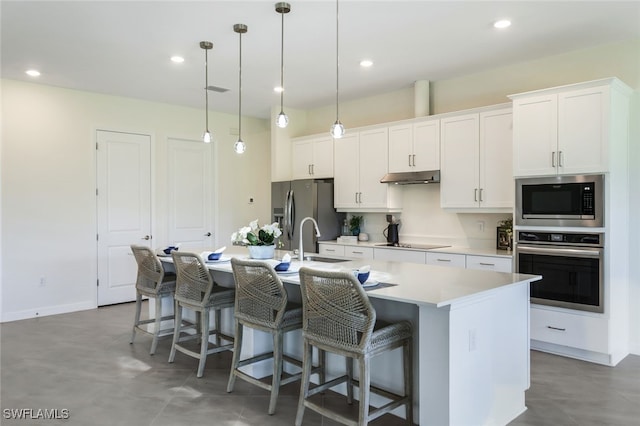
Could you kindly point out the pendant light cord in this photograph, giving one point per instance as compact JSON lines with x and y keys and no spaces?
{"x":337,"y":63}
{"x":240,"y":92}
{"x":282,"y":61}
{"x":206,"y":90}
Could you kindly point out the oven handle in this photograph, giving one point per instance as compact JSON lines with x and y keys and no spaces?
{"x":555,"y":251}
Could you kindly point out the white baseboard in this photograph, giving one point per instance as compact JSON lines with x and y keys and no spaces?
{"x":46,"y":311}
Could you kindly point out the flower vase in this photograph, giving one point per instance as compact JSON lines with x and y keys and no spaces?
{"x":262,"y":252}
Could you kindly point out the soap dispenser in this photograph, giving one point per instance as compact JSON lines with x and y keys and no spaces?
{"x":345,"y":228}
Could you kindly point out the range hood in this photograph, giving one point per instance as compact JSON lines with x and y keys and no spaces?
{"x":408,"y":178}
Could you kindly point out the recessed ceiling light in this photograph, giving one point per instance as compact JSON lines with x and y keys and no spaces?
{"x":278,"y":89}
{"x":177,"y":59}
{"x":33,"y":73}
{"x":502,"y":23}
{"x":366,"y":63}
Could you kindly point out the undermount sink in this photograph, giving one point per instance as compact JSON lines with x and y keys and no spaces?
{"x":313,"y":258}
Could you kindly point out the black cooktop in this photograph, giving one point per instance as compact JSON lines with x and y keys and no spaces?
{"x":416,"y":246}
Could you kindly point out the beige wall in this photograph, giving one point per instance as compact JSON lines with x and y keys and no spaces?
{"x":49,"y":179}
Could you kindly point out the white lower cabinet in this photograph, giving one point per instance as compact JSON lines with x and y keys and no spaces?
{"x":358,"y":252}
{"x":447,"y":259}
{"x":399,"y":255}
{"x":331,"y":249}
{"x":489,"y":263}
{"x":573,"y":330}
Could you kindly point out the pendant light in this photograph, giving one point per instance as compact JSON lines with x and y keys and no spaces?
{"x":240,"y":146}
{"x":206,"y":46}
{"x":282,"y":120}
{"x":337,"y":130}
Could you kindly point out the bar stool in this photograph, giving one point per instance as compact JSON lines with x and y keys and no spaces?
{"x":153,"y":283}
{"x":262,"y":304}
{"x":196,"y":291}
{"x":339,"y":318}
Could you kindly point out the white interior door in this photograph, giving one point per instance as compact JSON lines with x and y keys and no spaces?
{"x":190,"y":186}
{"x":124,"y":211}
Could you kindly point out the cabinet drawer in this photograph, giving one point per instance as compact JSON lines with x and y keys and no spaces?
{"x":488,"y":263}
{"x":358,"y":252}
{"x":576,"y":331}
{"x":446,"y":259}
{"x":399,"y":255}
{"x":331,"y":249}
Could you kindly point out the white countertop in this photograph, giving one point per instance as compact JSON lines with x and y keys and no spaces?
{"x":414,"y":283}
{"x":452,"y":249}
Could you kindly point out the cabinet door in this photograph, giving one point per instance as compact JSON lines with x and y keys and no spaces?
{"x":373,"y":166}
{"x":426,"y":145}
{"x":346,"y":175}
{"x":489,"y":263}
{"x":399,"y":255}
{"x":358,"y":252}
{"x":535,"y":135}
{"x":447,"y":259}
{"x":583,"y":125}
{"x":460,"y":144}
{"x":302,"y":158}
{"x":496,"y":159}
{"x":322,"y":165}
{"x":400,"y":148}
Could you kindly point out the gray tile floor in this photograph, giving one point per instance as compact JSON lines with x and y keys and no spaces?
{"x":82,"y":362}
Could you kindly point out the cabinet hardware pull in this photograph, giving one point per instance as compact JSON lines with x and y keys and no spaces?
{"x":414,"y":160}
{"x":475,"y":194}
{"x":553,"y":159}
{"x":356,"y":197}
{"x":443,"y":260}
{"x":481,"y":200}
{"x":409,"y":159}
{"x":313,"y":172}
{"x":560,"y":159}
{"x":357,"y":252}
{"x":556,"y":328}
{"x":487,"y":264}
{"x":329,"y":250}
{"x":359,"y":197}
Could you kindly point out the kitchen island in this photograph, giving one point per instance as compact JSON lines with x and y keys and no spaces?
{"x":471,"y":336}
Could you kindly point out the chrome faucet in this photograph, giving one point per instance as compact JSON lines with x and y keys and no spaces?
{"x":300,"y":250}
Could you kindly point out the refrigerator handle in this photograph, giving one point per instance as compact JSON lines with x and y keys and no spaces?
{"x":291,"y":204}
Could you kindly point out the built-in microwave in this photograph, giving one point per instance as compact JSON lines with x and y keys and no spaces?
{"x":560,"y":201}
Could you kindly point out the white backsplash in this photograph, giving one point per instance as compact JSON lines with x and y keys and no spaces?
{"x":423,"y":221}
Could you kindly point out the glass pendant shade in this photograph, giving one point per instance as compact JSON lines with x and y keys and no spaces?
{"x":206,"y":137}
{"x":282,"y":120}
{"x":337,"y":130}
{"x":239,"y":147}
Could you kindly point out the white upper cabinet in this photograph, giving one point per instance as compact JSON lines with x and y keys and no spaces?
{"x":361,"y":160}
{"x":565,"y":130}
{"x":312,"y":158}
{"x":476,"y":171}
{"x":414,"y":146}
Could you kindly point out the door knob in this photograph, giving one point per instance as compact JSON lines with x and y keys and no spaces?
{"x":146,"y":237}
{"x":208,"y":234}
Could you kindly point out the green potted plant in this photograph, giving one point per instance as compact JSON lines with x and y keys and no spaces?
{"x":354,"y":224}
{"x":259,"y":240}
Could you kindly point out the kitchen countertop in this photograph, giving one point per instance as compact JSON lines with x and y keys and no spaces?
{"x":452,"y":249}
{"x":408,"y":282}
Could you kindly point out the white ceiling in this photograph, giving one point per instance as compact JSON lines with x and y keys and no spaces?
{"x":123,"y":48}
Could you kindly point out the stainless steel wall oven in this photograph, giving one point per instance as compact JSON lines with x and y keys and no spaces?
{"x":571,"y":265}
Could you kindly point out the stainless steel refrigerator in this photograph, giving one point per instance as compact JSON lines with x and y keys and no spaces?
{"x":292,"y":201}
